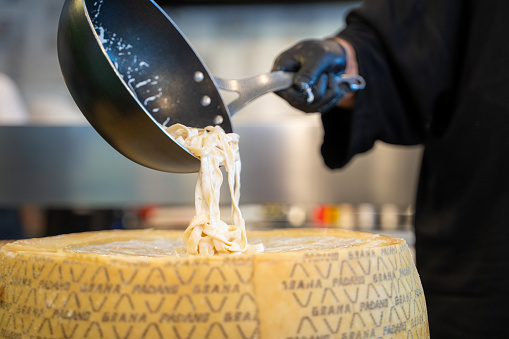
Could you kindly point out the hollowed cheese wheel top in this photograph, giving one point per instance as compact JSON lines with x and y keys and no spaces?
{"x":309,"y":283}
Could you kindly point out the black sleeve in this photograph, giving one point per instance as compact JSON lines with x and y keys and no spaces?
{"x":405,"y":51}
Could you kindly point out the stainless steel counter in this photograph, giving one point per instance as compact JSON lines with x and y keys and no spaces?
{"x":73,"y":166}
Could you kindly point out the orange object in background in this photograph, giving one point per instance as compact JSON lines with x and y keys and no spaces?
{"x":326,"y":215}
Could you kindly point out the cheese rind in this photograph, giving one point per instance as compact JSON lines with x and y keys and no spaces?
{"x":365,"y":286}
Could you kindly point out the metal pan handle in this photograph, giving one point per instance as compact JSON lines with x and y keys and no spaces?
{"x":253,"y":87}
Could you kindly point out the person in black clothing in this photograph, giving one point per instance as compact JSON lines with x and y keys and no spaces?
{"x":437,"y":74}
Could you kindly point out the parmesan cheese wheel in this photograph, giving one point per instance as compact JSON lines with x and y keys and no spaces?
{"x":308,"y":283}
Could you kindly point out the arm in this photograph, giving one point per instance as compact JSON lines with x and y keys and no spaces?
{"x":406,"y":52}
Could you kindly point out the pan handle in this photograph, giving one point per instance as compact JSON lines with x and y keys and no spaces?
{"x":253,"y":87}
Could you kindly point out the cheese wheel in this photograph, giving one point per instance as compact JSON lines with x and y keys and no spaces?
{"x":309,"y":283}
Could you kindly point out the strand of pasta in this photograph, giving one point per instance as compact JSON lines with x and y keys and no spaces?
{"x":207,"y":233}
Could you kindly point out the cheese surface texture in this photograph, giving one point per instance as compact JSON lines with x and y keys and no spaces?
{"x":308,"y":283}
{"x":207,"y":233}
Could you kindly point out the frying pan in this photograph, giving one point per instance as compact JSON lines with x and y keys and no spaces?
{"x":132,"y":73}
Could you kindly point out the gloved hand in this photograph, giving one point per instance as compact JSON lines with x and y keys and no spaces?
{"x":316,"y":63}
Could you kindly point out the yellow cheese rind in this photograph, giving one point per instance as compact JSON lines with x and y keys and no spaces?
{"x":365,"y":289}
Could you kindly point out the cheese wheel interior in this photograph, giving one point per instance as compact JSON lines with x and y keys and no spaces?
{"x":309,"y":283}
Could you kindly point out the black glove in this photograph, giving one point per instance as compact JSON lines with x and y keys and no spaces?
{"x":316,"y":63}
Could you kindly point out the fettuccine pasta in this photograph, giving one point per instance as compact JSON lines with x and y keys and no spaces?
{"x":207,"y":234}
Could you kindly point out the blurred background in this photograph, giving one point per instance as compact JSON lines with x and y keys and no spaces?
{"x":58,"y":176}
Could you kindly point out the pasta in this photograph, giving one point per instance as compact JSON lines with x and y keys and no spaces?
{"x":207,"y":234}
